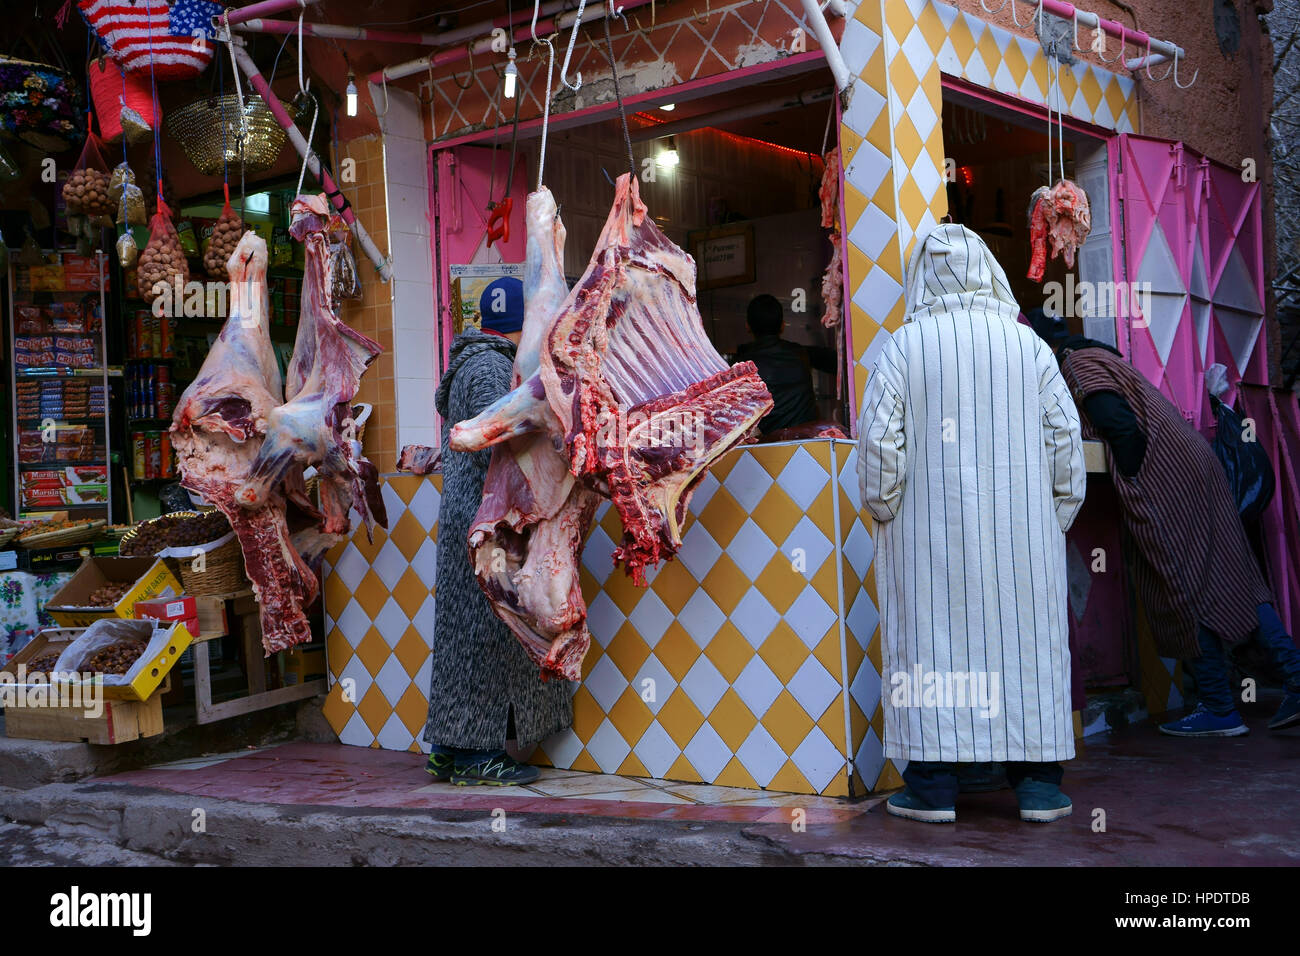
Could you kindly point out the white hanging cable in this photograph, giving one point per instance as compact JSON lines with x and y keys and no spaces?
{"x":546,"y":104}
{"x":1060,"y":119}
{"x":546,"y":111}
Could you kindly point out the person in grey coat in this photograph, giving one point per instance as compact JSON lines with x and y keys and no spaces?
{"x":483,"y":688}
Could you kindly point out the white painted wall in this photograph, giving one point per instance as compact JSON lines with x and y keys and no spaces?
{"x":406,"y":178}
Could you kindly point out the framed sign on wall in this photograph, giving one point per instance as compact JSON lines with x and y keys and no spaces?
{"x":724,"y":255}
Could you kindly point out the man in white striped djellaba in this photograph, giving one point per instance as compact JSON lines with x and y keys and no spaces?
{"x":970,"y":458}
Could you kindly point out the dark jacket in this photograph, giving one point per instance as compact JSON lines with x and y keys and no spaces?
{"x":479,"y":672}
{"x":785,"y":368}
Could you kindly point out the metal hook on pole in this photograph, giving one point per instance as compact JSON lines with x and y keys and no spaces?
{"x":470,"y":74}
{"x":1123,"y":40}
{"x":1190,"y":83}
{"x":1146,"y":65}
{"x":568,"y":54}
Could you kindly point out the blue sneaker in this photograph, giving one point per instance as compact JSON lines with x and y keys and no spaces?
{"x":1042,"y":802}
{"x":908,"y":805}
{"x":1202,"y":723}
{"x":1288,"y":713}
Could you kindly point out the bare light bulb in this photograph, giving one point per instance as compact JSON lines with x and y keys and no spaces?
{"x":511,"y":75}
{"x":351,"y":95}
{"x":668,"y":155}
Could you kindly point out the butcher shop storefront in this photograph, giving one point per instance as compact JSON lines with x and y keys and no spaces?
{"x":752,"y":658}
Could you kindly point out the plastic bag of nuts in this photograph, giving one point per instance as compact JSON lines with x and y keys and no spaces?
{"x":162,"y":260}
{"x":128,"y":196}
{"x":225,"y":236}
{"x":110,"y":646}
{"x":87,"y":192}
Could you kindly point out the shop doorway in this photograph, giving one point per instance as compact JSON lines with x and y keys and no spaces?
{"x":997,"y":156}
{"x":743,"y":167}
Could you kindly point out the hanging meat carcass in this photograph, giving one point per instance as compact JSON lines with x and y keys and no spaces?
{"x":1060,"y":213}
{"x":217,"y":431}
{"x":833,"y":278}
{"x":314,"y":426}
{"x":527,"y":538}
{"x":632,"y":393}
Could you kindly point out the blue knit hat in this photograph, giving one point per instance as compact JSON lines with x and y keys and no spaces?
{"x":501,"y":306}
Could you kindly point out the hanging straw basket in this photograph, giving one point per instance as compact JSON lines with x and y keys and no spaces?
{"x":223,"y":569}
{"x":222,"y":565}
{"x":199,"y":129}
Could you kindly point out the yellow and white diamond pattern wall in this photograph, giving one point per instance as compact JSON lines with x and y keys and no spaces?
{"x":746,"y":662}
{"x":892,"y":141}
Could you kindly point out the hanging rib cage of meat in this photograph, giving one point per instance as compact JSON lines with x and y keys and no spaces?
{"x":619,"y":394}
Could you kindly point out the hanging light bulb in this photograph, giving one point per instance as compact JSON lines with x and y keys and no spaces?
{"x":352,"y":94}
{"x":511,"y":74}
{"x":668,"y":155}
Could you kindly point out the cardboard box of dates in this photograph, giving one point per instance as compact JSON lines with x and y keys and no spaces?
{"x":110,"y":587}
{"x":130,"y":658}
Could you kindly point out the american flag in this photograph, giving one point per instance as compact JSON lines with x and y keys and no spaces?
{"x":132,"y":29}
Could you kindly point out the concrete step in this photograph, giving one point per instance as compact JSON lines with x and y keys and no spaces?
{"x":25,"y":764}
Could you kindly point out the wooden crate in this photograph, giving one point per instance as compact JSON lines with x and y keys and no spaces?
{"x":119,"y":722}
{"x":212,"y":617}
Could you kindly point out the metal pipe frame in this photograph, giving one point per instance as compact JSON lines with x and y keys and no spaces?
{"x":234,"y":15}
{"x":554,"y":23}
{"x":263,"y":89}
{"x":817,"y":20}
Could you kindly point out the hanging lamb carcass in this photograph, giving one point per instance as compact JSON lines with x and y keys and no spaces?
{"x":619,"y":389}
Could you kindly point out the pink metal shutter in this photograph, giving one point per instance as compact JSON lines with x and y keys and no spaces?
{"x":1192,"y":239}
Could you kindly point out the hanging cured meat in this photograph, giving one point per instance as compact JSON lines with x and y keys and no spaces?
{"x":314,"y":427}
{"x":217,"y":432}
{"x":1060,"y":213}
{"x":833,"y":278}
{"x":631,"y":392}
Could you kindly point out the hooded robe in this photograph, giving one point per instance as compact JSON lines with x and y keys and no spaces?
{"x":971,"y":460}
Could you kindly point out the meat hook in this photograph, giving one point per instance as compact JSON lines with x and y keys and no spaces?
{"x":568,"y":54}
{"x":1123,"y":39}
{"x":1147,"y":64}
{"x":1190,"y":83}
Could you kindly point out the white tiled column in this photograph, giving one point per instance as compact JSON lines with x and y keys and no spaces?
{"x":415,"y":371}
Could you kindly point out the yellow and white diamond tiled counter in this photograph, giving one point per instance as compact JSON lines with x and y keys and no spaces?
{"x":751,"y":660}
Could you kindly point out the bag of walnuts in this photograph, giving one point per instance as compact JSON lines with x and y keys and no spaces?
{"x":86,"y":192}
{"x":225,"y":236}
{"x":162,"y":259}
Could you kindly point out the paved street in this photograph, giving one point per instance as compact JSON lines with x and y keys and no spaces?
{"x":1140,"y":798}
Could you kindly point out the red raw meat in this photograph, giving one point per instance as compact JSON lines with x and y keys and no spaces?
{"x":833,"y":278}
{"x":630,"y":388}
{"x":314,"y":427}
{"x":217,"y":431}
{"x":1061,"y":214}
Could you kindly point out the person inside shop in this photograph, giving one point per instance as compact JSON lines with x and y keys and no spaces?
{"x":785,"y":367}
{"x":1194,"y":568}
{"x":483,"y":688}
{"x":970,"y":458}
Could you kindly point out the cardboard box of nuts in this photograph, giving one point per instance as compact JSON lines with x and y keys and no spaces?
{"x":131,"y":662}
{"x":110,"y":587}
